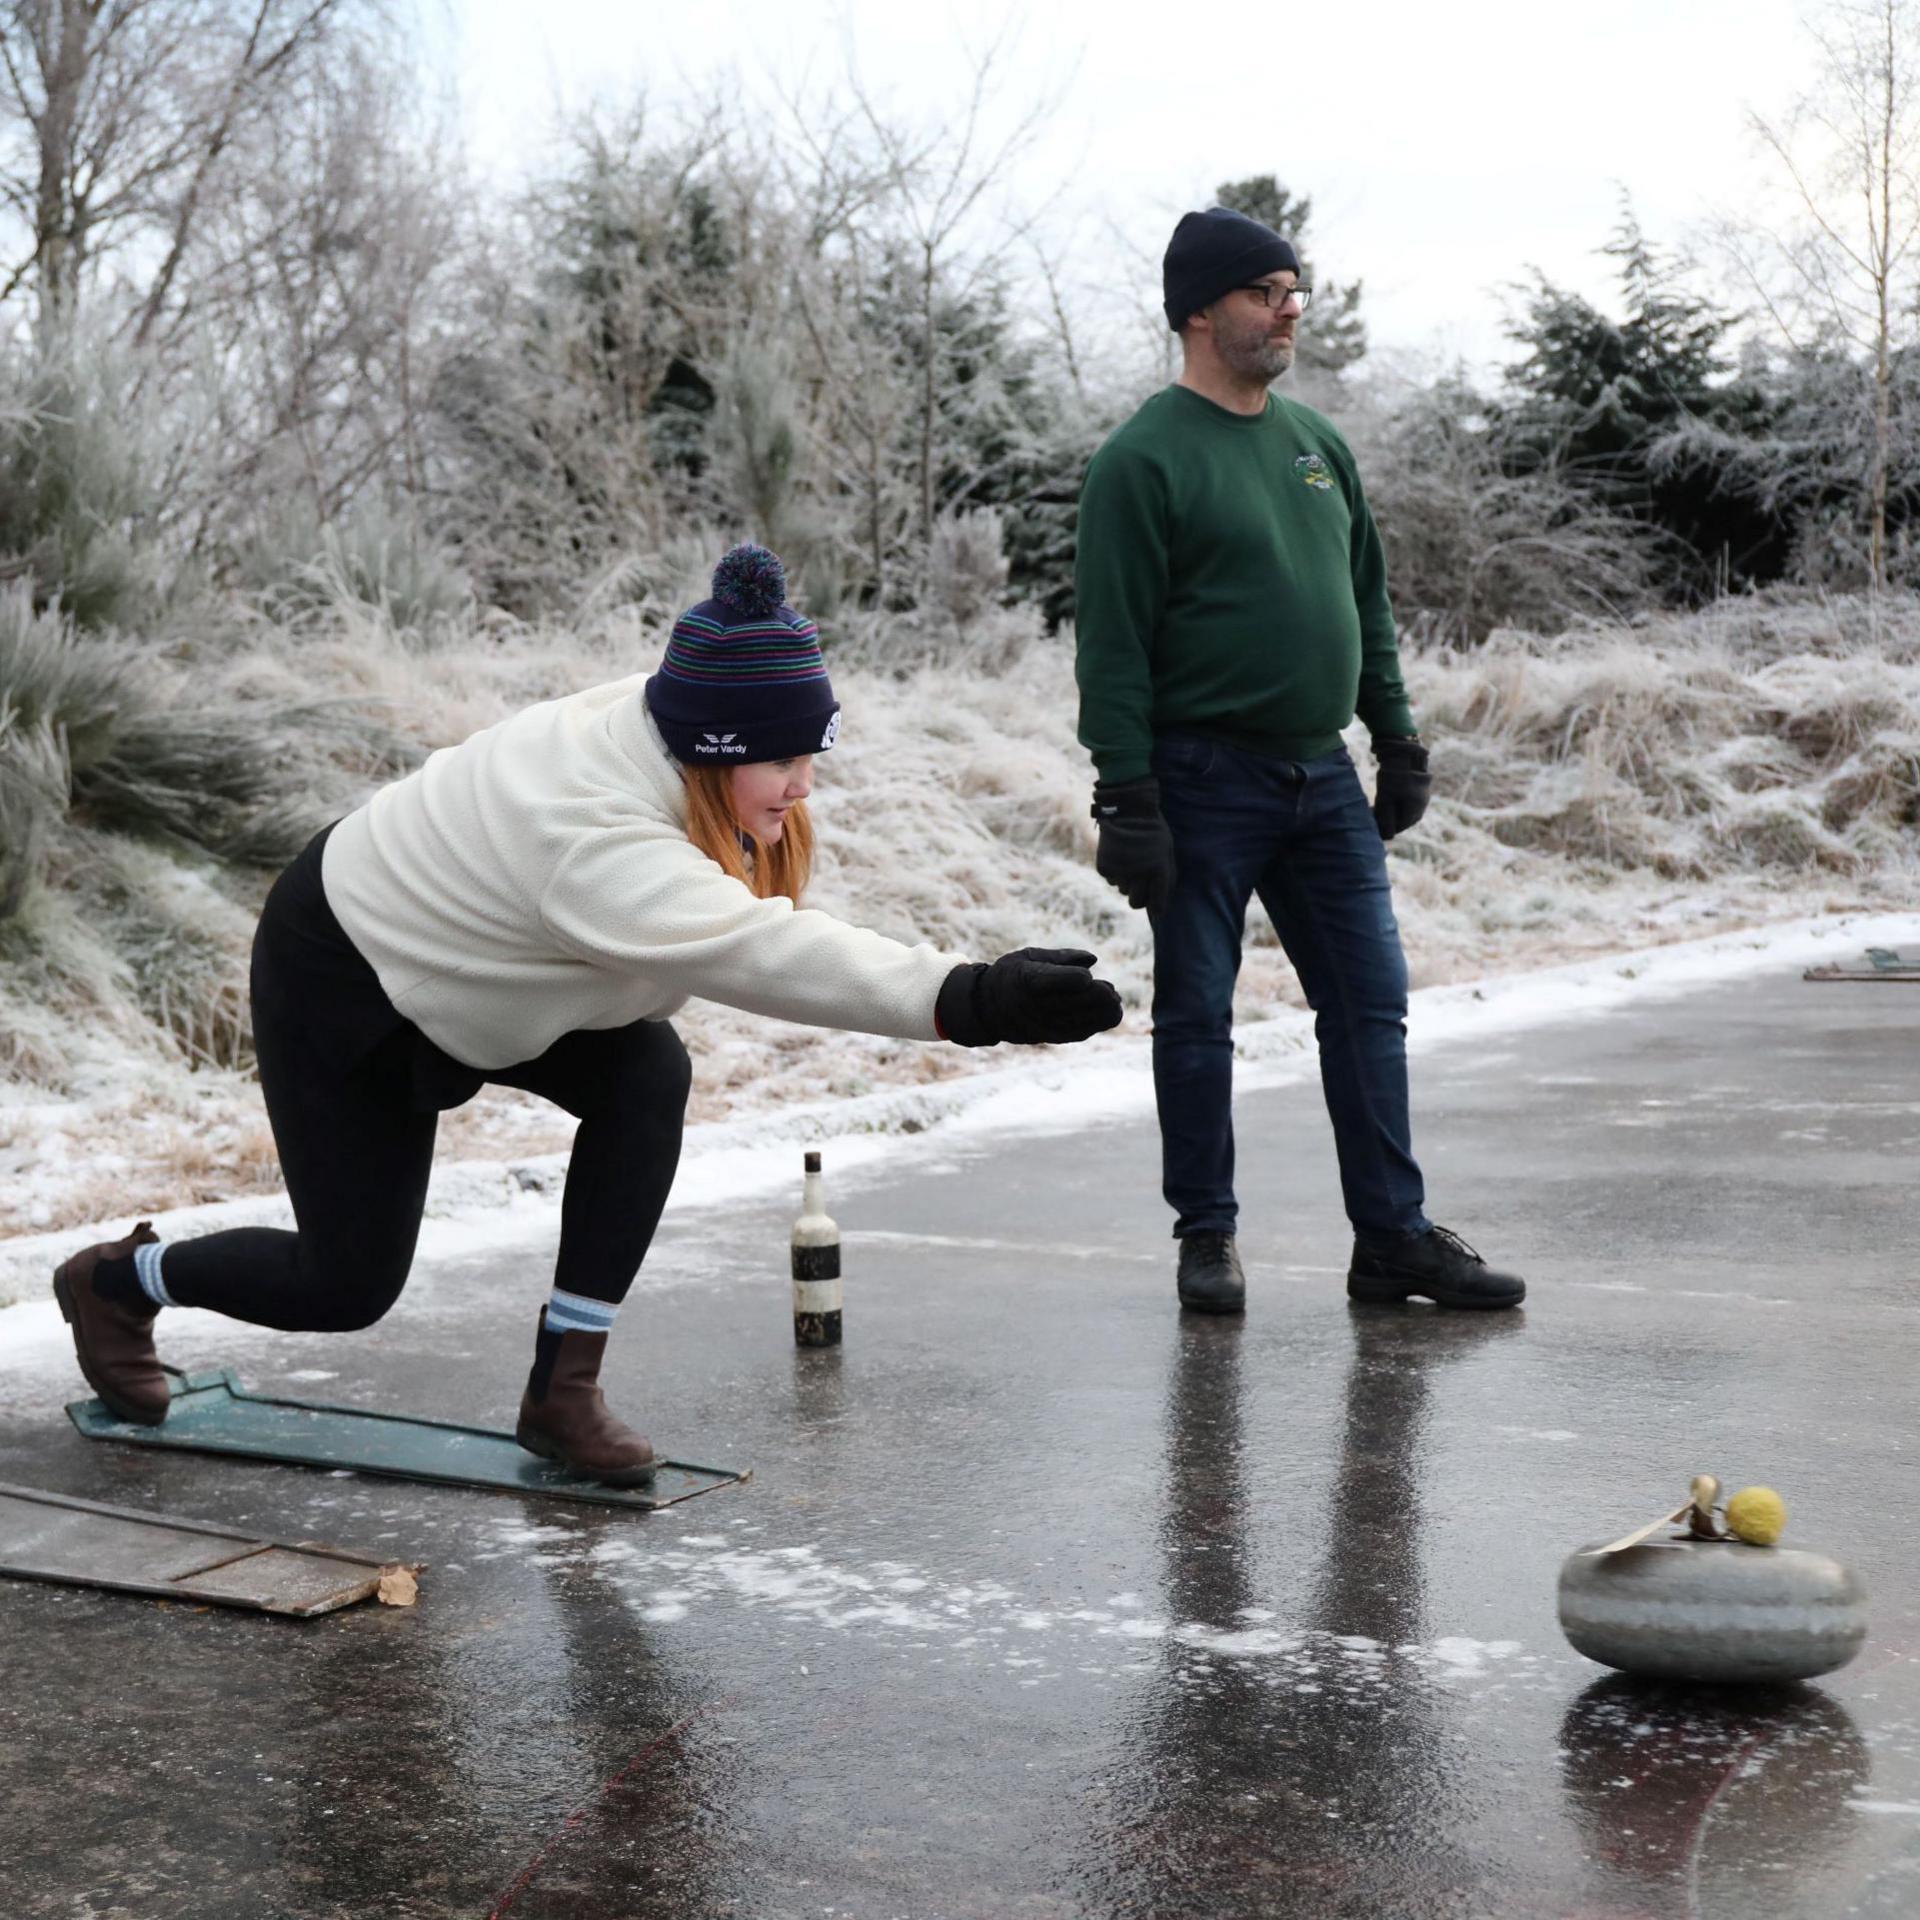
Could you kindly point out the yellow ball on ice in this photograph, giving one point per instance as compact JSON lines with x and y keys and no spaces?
{"x":1756,"y":1515}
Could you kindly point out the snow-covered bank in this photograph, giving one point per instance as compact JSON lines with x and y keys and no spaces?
{"x":478,"y":1206}
{"x":1671,"y":780}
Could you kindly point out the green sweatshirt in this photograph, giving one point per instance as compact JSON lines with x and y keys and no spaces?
{"x":1230,"y":581}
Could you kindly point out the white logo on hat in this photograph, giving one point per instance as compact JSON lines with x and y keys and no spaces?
{"x":720,"y":743}
{"x":832,"y":733}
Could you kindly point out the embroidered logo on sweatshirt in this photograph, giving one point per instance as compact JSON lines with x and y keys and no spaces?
{"x":1315,"y":472}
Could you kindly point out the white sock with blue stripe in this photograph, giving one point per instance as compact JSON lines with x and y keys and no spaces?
{"x":146,"y":1269}
{"x":575,"y":1313}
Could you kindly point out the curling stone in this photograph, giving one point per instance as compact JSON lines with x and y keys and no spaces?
{"x":1716,"y":1610}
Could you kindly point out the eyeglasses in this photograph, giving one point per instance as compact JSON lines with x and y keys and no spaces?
{"x":1272,"y":296}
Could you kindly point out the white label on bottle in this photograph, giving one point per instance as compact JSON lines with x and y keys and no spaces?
{"x":816,"y":1296}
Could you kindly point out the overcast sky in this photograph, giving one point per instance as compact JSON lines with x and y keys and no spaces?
{"x":1446,"y":149}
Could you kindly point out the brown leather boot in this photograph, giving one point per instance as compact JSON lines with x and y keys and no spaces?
{"x":114,"y":1342}
{"x":564,"y":1417}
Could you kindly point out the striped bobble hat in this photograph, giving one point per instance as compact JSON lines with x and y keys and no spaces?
{"x":743,"y":680}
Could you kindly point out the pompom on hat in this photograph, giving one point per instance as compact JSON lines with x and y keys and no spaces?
{"x":743,"y":680}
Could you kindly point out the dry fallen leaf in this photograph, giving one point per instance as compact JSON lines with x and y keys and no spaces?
{"x":398,"y":1587}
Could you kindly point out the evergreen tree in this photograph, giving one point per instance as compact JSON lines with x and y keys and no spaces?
{"x":1009,"y":436}
{"x":1808,"y":462}
{"x":1015,"y":441}
{"x":1631,"y":410}
{"x":643,"y":252}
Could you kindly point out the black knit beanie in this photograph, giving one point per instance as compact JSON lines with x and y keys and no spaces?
{"x":1211,"y":253}
{"x":743,"y":680}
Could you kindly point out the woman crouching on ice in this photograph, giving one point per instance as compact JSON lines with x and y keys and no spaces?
{"x":528,"y":908}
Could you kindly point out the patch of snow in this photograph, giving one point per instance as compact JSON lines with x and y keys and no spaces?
{"x":990,"y":1621}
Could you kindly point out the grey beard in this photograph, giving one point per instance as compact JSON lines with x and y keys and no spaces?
{"x":1261,"y":359}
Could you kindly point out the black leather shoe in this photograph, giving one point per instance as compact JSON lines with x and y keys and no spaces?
{"x":1436,"y":1265}
{"x":1210,"y":1277}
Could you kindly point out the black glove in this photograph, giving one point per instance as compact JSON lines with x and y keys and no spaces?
{"x":1401,"y":791}
{"x":1034,"y":997}
{"x":1136,"y":849}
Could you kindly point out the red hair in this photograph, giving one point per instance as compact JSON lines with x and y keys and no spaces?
{"x":717,"y":830}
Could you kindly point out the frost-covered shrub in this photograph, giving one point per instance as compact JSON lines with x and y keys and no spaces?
{"x":1880,"y":783}
{"x":967,"y":565}
{"x":183,"y":943}
{"x":912,"y":640}
{"x":212,"y":778}
{"x":764,"y":460}
{"x":1584,"y":810}
{"x":138,"y":951}
{"x":376,"y":558}
{"x":1471,"y":545}
{"x":33,"y":797}
{"x":52,"y":676}
{"x":654,"y":583}
{"x":220,"y":756}
{"x":80,"y":462}
{"x":1762,"y":738}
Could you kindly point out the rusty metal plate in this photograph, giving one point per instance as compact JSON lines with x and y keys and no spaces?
{"x":214,"y":1413}
{"x":83,"y":1543}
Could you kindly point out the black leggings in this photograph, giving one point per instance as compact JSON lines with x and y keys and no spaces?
{"x":354,"y":1091}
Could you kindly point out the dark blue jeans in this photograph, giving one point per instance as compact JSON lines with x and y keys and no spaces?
{"x":1300,"y":835}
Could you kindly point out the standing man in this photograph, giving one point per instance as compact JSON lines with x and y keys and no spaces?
{"x":1233,"y":618}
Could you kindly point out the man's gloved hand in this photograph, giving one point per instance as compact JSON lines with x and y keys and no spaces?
{"x":1136,"y":848}
{"x":1401,"y":791}
{"x":1035,"y":997}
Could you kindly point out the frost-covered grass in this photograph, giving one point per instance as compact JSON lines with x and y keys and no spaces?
{"x":1600,"y":790}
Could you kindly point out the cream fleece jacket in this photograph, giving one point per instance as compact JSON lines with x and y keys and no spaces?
{"x":538,"y":879}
